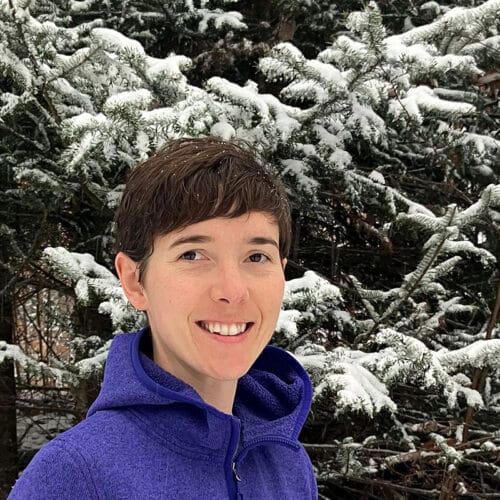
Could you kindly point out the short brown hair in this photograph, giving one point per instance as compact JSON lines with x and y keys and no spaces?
{"x":192,"y":180}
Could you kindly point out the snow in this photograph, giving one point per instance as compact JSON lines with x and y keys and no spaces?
{"x":93,"y":365}
{"x":161,"y":117}
{"x":342,"y":45}
{"x":37,"y":177}
{"x":298,"y":169}
{"x":33,"y":431}
{"x":366,"y":122}
{"x":452,"y":455}
{"x":286,"y":118}
{"x":422,"y":58}
{"x":333,"y":140}
{"x":171,"y":67}
{"x":76,"y":264}
{"x":63,"y":87}
{"x":223,"y":129}
{"x":434,"y":6}
{"x":490,"y":199}
{"x":478,"y":354}
{"x":354,"y":387}
{"x":422,"y":100}
{"x":92,"y":280}
{"x":340,"y":159}
{"x":219,"y":19}
{"x":311,"y":284}
{"x":377,"y":176}
{"x":132,"y":99}
{"x":226,"y":90}
{"x":488,"y":45}
{"x":287,"y":323}
{"x":19,"y":70}
{"x":489,"y":446}
{"x":482,"y":143}
{"x":81,"y":5}
{"x":14,"y":353}
{"x":115,"y":41}
{"x":305,"y":89}
{"x":357,"y":390}
{"x":455,"y":20}
{"x":326,"y":73}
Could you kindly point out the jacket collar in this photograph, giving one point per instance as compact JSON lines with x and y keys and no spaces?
{"x":272,"y":400}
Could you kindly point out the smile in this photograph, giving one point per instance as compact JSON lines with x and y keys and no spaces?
{"x":226,"y":329}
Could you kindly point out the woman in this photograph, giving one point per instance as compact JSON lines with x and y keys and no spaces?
{"x":195,"y":405}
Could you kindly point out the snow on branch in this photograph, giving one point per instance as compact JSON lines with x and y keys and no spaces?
{"x":218,"y":18}
{"x":478,"y":354}
{"x":407,"y":360}
{"x":11,"y":65}
{"x":483,"y":210}
{"x":458,"y":21}
{"x":171,"y":67}
{"x":14,"y":353}
{"x":420,"y":101}
{"x":94,"y":365}
{"x":299,"y":170}
{"x":244,"y":97}
{"x":306,"y":300}
{"x":72,"y":374}
{"x":92,"y":282}
{"x":114,"y":41}
{"x":132,"y":100}
{"x":340,"y":377}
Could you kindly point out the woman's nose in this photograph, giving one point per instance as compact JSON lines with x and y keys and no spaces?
{"x":229,"y":285}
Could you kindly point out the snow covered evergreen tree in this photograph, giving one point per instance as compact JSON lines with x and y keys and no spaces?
{"x":388,"y":145}
{"x":395,"y":142}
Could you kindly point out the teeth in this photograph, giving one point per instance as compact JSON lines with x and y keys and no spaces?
{"x":224,"y":328}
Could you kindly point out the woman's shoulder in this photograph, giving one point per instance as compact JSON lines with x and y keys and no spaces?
{"x":65,"y":466}
{"x":58,"y":470}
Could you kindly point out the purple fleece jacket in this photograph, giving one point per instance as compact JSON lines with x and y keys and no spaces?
{"x":150,"y":436}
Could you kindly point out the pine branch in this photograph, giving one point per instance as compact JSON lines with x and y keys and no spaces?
{"x":416,"y":281}
{"x":25,"y":257}
{"x":22,"y":137}
{"x":479,"y":374}
{"x":478,"y":379}
{"x":337,"y":478}
{"x":411,"y":286}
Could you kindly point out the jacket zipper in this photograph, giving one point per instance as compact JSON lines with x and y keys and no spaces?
{"x":239,"y":455}
{"x":235,"y":473}
{"x":232,"y":477}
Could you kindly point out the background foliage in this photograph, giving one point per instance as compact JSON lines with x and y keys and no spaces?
{"x":382,"y":119}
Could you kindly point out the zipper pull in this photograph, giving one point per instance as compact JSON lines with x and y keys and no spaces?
{"x":235,"y":473}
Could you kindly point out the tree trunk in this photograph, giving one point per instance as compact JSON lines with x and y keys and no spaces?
{"x":8,"y":428}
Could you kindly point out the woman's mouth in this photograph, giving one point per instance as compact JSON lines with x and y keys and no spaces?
{"x":225,"y":329}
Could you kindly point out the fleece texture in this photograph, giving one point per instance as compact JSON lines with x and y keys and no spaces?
{"x":150,"y":436}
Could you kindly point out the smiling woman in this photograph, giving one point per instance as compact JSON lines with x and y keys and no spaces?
{"x":195,"y":405}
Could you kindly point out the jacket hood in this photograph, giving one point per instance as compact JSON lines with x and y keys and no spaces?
{"x":272,"y":400}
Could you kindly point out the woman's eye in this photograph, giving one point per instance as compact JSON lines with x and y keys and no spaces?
{"x":191,"y":255}
{"x":258,"y":257}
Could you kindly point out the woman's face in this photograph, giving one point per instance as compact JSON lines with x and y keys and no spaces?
{"x":212,"y":292}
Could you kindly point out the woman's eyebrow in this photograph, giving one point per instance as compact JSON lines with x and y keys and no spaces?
{"x":261,"y":240}
{"x":200,"y":238}
{"x":195,"y":238}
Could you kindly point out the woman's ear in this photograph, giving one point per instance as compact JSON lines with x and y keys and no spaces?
{"x":283,"y":263}
{"x":128,"y":272}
